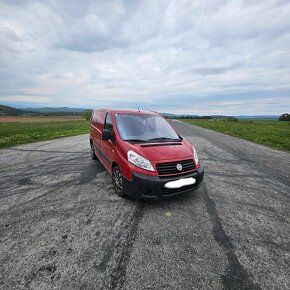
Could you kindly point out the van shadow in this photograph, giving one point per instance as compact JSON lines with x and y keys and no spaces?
{"x":180,"y":200}
{"x":91,"y":171}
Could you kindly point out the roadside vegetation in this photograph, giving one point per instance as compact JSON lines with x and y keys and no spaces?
{"x":284,"y":117}
{"x":87,"y":114}
{"x":39,"y":129}
{"x":272,"y":133}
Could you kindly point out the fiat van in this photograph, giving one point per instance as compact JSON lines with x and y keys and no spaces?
{"x":145,"y":156}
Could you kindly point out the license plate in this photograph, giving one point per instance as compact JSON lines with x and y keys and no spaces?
{"x":180,"y":182}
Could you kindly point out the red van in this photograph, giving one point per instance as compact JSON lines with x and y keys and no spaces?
{"x":145,"y":156}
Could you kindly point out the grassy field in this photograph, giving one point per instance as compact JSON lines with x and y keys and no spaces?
{"x":272,"y":133}
{"x":16,"y":131}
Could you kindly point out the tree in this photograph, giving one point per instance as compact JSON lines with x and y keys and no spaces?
{"x":87,"y":114}
{"x":284,"y":117}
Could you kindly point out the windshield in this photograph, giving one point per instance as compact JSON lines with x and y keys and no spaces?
{"x":144,"y":128}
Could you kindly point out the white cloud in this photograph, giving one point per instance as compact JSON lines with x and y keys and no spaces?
{"x":156,"y":54}
{"x":269,"y":106}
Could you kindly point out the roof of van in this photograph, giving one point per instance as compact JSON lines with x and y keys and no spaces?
{"x":127,"y":111}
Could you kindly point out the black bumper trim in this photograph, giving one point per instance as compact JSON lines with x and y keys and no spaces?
{"x":152,"y":187}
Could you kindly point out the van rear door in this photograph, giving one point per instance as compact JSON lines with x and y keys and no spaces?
{"x":97,"y":126}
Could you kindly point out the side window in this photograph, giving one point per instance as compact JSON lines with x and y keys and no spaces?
{"x":108,"y":123}
{"x":99,"y":119}
{"x":94,"y":117}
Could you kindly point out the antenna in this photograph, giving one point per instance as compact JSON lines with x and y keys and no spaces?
{"x":138,"y":109}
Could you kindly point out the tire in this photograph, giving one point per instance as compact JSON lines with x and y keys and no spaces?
{"x":117,"y":181}
{"x":93,"y":154}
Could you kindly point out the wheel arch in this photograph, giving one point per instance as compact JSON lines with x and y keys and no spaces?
{"x":114,"y":164}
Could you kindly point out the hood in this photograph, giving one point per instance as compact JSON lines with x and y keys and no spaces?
{"x":163,"y":151}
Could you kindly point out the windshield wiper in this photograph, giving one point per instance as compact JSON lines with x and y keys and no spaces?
{"x":135,"y":140}
{"x":164,"y":139}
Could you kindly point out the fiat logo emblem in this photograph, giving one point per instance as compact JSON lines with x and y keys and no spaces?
{"x":179,"y":167}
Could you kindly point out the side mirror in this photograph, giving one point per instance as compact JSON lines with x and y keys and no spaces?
{"x":107,"y":134}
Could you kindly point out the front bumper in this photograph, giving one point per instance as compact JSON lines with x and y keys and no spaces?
{"x":152,"y":187}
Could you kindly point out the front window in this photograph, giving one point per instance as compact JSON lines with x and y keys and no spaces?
{"x":108,"y":123}
{"x":144,"y":128}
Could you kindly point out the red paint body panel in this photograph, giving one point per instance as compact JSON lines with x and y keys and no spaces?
{"x":115,"y":152}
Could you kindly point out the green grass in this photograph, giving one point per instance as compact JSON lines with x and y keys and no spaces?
{"x":272,"y":133}
{"x":19,"y":133}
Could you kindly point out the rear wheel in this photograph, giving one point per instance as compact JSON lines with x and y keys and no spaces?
{"x":93,"y":154}
{"x":117,"y":180}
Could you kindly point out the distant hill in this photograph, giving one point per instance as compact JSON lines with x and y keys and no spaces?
{"x":60,"y":111}
{"x":46,"y":110}
{"x":63,"y":111}
{"x":169,"y":115}
{"x":10,"y":111}
{"x":258,"y":117}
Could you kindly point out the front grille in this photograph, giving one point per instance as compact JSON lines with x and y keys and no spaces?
{"x":171,"y":167}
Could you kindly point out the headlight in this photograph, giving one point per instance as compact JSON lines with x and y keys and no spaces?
{"x":139,"y":161}
{"x":195,"y":155}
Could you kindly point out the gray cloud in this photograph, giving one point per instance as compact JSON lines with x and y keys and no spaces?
{"x":93,"y":53}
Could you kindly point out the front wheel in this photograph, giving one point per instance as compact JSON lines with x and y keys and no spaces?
{"x":117,"y":180}
{"x":93,"y":154}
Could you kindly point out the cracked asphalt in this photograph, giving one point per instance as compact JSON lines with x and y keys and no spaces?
{"x":62,"y":226}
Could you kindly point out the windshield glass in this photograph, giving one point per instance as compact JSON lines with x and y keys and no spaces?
{"x":147,"y":128}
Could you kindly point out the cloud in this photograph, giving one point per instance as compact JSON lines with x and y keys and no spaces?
{"x":162,"y":55}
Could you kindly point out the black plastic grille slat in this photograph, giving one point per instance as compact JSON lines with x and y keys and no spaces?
{"x":170,"y":167}
{"x":183,"y":162}
{"x":174,"y":165}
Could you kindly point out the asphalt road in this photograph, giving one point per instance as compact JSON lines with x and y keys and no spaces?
{"x":62,"y":226}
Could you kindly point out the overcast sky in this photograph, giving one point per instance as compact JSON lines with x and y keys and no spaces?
{"x":200,"y":57}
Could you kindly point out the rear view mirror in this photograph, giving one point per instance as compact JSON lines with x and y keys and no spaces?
{"x":107,"y":134}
